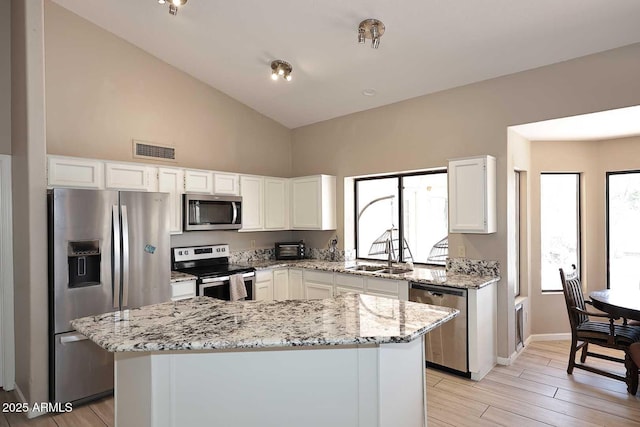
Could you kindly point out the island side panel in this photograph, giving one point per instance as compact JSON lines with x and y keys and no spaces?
{"x":133,"y":399}
{"x":402,"y":390}
{"x":285,"y":387}
{"x":312,"y":386}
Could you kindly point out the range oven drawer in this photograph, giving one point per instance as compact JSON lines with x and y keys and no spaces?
{"x":218,"y":287}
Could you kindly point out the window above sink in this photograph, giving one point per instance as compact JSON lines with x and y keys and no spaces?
{"x":408,"y":210}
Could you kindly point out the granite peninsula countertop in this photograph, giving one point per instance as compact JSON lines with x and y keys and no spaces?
{"x":207,"y":323}
{"x":426,"y":275}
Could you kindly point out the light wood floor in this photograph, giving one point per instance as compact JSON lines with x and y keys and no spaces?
{"x":534,"y":391}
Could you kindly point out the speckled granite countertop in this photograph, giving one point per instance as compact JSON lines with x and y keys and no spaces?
{"x":208,"y":323}
{"x":178,"y":276}
{"x":431,"y":276}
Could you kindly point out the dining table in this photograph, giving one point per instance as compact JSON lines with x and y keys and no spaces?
{"x":624,"y":303}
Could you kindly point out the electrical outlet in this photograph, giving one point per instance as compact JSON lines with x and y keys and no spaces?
{"x":462,"y":251}
{"x":252,"y":243}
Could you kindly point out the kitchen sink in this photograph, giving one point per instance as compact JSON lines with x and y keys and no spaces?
{"x":365,"y":268}
{"x":394,"y":270}
{"x":379,"y":269}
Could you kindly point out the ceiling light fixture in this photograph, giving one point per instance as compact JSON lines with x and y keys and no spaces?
{"x":371,"y":29}
{"x":173,"y":5}
{"x":280,"y":68}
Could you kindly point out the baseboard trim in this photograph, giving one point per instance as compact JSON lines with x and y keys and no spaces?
{"x":30,"y":413}
{"x":550,"y":337}
{"x":507,"y":361}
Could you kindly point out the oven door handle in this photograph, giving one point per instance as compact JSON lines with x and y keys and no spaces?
{"x":226,"y":278}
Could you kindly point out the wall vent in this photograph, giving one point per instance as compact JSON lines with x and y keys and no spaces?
{"x":147,"y":150}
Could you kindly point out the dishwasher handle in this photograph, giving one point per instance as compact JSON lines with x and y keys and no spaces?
{"x":438,"y":289}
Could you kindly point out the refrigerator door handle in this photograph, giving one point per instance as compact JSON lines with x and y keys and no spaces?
{"x":72,"y":338}
{"x":125,"y":257}
{"x":116,"y":256}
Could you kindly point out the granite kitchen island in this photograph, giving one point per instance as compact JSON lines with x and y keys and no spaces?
{"x":353,"y":360}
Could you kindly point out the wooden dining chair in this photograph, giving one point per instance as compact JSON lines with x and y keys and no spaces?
{"x":605,"y":334}
{"x":634,"y":353}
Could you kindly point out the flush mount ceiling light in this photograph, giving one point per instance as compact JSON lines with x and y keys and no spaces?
{"x":370,"y":29}
{"x":173,"y":5}
{"x":280,"y":68}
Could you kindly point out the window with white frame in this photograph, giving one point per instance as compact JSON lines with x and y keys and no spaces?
{"x":559,"y":227}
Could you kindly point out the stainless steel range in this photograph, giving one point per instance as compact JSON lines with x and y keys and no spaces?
{"x":210,"y":264}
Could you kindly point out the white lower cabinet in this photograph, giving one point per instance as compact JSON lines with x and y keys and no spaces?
{"x":348,"y":283}
{"x":318,"y":284}
{"x":318,"y":290}
{"x":171,"y":180}
{"x":398,"y":289}
{"x":281,"y":285}
{"x":182,"y":290}
{"x":264,"y":285}
{"x":482,"y":330}
{"x":296,"y":286}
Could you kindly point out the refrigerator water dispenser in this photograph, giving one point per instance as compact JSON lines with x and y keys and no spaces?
{"x":84,"y":263}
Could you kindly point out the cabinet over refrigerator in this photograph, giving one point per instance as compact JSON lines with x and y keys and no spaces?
{"x":108,"y":251}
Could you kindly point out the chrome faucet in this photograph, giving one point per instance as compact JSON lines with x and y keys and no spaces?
{"x":390,"y":259}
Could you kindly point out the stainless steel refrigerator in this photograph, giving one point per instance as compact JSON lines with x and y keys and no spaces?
{"x":108,"y":251}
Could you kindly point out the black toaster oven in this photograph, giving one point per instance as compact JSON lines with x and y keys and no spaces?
{"x":290,"y":250}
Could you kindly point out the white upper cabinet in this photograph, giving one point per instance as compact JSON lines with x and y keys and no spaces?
{"x":198,"y":181}
{"x":171,"y":180}
{"x":276,"y":203}
{"x":75,"y":172}
{"x":268,"y":203}
{"x":313,"y":203}
{"x":252,"y":192}
{"x":472,"y":195}
{"x":226,"y":183}
{"x":130,"y":176}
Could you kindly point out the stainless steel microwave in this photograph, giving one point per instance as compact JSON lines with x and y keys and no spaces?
{"x":209,"y":212}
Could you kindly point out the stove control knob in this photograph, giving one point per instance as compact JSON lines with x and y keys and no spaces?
{"x":186,"y":252}
{"x":179,"y":252}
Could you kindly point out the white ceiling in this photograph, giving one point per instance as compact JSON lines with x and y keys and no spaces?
{"x":428,"y":46}
{"x":619,"y":123}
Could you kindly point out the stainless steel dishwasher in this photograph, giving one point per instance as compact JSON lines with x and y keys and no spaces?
{"x":445,"y":346}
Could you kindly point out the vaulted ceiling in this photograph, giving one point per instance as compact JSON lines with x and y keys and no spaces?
{"x":428,"y":46}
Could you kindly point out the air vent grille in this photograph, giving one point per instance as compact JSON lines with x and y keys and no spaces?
{"x":146,"y":150}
